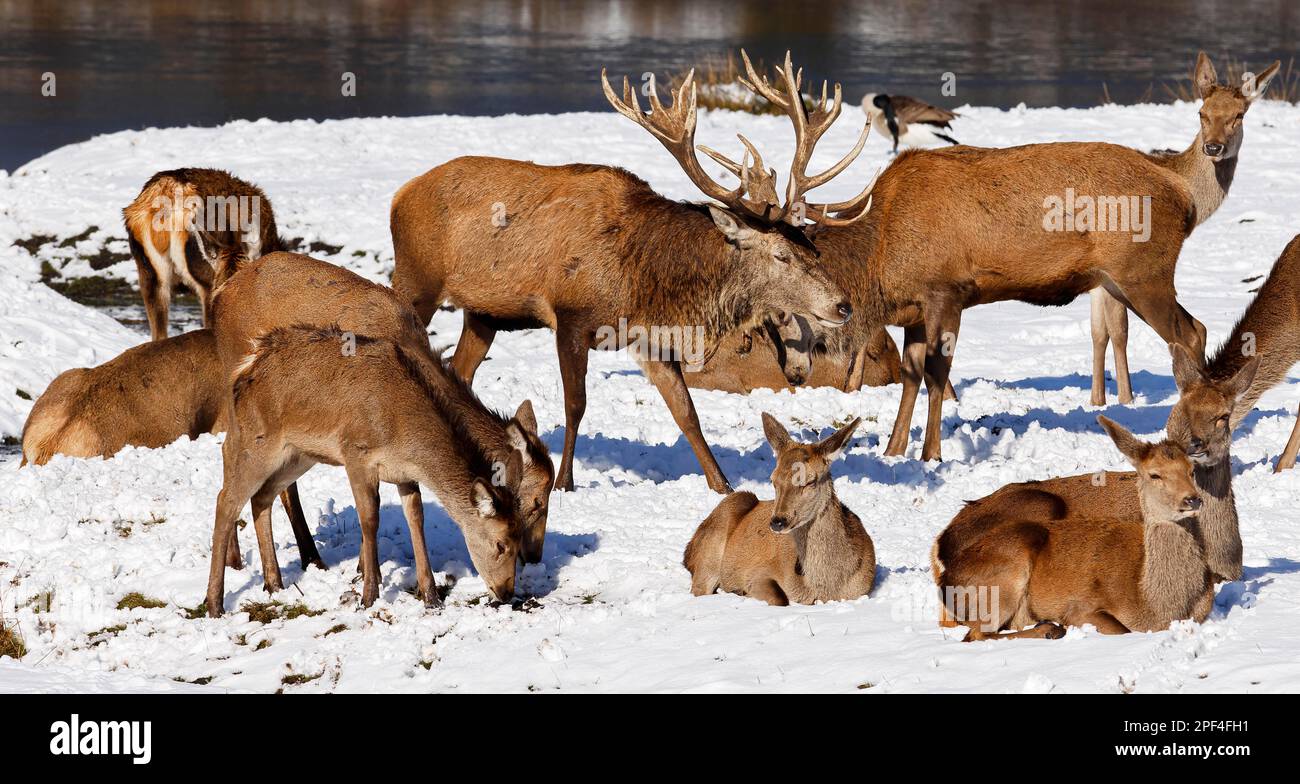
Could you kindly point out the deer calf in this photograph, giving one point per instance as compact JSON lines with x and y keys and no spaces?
{"x":805,"y":546}
{"x":194,"y":226}
{"x":308,"y":395}
{"x":148,"y":396}
{"x":1018,"y":561}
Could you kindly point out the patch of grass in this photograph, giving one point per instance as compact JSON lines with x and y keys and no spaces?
{"x":105,"y":634}
{"x":263,"y":645}
{"x":425,"y":663}
{"x":48,"y":272}
{"x":204,"y":681}
{"x":11,"y":642}
{"x":298,"y":678}
{"x":71,"y":242}
{"x":300,"y":610}
{"x":41,"y":602}
{"x":96,"y":290}
{"x":335,"y":629}
{"x":589,"y":598}
{"x":24,"y":394}
{"x":1285,"y":86}
{"x":135,"y":600}
{"x":867,"y":685}
{"x":196,"y":612}
{"x":11,"y":441}
{"x":265,"y":612}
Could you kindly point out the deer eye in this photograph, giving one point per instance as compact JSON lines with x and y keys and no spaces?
{"x":1222,"y":421}
{"x":501,"y":548}
{"x":1154,"y":476}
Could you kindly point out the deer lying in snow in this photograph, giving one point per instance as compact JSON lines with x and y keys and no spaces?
{"x":586,"y":249}
{"x":804,"y":547}
{"x":148,"y":396}
{"x":288,"y":289}
{"x":308,"y":395}
{"x":194,"y":226}
{"x":1016,"y":562}
{"x":1206,"y":167}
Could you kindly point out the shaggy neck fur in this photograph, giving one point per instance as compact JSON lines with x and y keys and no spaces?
{"x":822,"y":546}
{"x":1173,"y":573}
{"x":1208,"y":179}
{"x":1217,"y":524}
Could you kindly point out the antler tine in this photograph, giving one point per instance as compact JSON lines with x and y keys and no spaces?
{"x":760,"y":84}
{"x":863,"y":198}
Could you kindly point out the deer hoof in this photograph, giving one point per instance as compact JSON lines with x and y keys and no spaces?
{"x":1051,"y":631}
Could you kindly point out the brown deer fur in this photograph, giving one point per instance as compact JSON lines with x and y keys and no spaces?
{"x":1207,"y":166}
{"x":300,"y":398}
{"x":288,"y":289}
{"x":148,"y":396}
{"x":584,"y":247}
{"x":159,"y":231}
{"x":805,"y":546}
{"x":1015,"y":566}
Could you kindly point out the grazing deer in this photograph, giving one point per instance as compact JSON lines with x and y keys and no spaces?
{"x":804,"y":547}
{"x":1023,"y":565}
{"x":962,"y":226}
{"x":148,"y":396}
{"x":194,"y":226}
{"x":288,"y":289}
{"x":308,"y":395}
{"x":586,"y":250}
{"x":1207,"y":167}
{"x":1201,"y":423}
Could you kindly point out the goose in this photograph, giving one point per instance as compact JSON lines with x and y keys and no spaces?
{"x":907,"y":120}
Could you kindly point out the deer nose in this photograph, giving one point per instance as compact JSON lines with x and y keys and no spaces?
{"x":796,"y":380}
{"x":1197,"y":445}
{"x":1214,"y":148}
{"x":779,"y":524}
{"x":845,"y":310}
{"x":1192,"y":503}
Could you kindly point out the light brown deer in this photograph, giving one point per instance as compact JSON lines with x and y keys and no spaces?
{"x":587,"y":249}
{"x":1201,"y":422}
{"x":194,"y":226}
{"x":806,"y":546}
{"x":288,"y":289}
{"x":963,"y":226}
{"x":1023,"y":565}
{"x":1207,"y":167}
{"x":308,"y":395}
{"x":147,"y":396}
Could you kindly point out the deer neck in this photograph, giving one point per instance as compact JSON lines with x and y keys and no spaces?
{"x":822,"y":547}
{"x":1217,"y":524}
{"x":1209,"y":180}
{"x":1173,"y":573}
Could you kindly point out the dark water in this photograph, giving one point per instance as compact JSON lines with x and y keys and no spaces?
{"x":139,"y":64}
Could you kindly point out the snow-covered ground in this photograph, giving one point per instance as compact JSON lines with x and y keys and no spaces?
{"x":613,"y":609}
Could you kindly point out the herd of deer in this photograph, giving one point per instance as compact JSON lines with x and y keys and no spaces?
{"x":302,"y":362}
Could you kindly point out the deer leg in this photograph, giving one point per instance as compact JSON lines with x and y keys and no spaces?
{"x":307,"y":552}
{"x":667,"y":378}
{"x":475,"y":340}
{"x":233,"y":559}
{"x":1287,"y":460}
{"x":941,"y":342}
{"x":365,"y":495}
{"x":1104,"y":621}
{"x":156,"y":293}
{"x":1116,"y":314}
{"x":572,"y":352}
{"x":1100,"y":340}
{"x":239,"y":481}
{"x":1159,"y":308}
{"x":261,"y":503}
{"x":913,"y":370}
{"x":413,"y":508}
{"x":768,"y":591}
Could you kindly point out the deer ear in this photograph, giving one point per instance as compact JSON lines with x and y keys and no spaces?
{"x":1254,"y":88}
{"x":524,"y":416}
{"x":1206,"y":77}
{"x":482,"y":498}
{"x":775,"y":432}
{"x":1127,"y":443}
{"x":833,"y":446}
{"x":1240,"y":383}
{"x":736,"y":232}
{"x":1187,"y":371}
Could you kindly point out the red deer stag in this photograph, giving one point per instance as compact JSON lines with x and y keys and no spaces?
{"x":804,"y":547}
{"x":194,"y":226}
{"x":963,"y":226}
{"x":307,"y":395}
{"x":589,"y":250}
{"x":1206,"y":167}
{"x":287,"y":289}
{"x":148,"y":396}
{"x":1024,"y":564}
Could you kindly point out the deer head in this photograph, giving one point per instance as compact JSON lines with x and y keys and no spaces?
{"x":802,"y":477}
{"x":1166,"y":487}
{"x":1201,"y":420}
{"x":1223,"y":107}
{"x":793,"y":339}
{"x":772,"y":235}
{"x":529,"y":474}
{"x":493,"y":537}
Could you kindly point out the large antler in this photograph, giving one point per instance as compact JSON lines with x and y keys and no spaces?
{"x":808,"y":130}
{"x":675,"y":129}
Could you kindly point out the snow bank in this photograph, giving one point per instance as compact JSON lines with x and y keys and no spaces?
{"x":613,"y":608}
